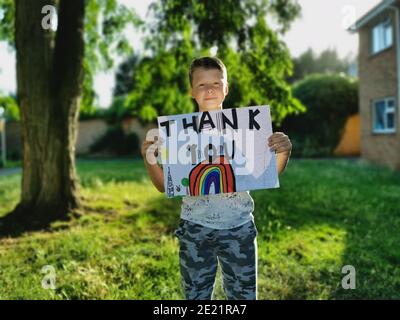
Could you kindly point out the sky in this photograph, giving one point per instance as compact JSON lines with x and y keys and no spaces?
{"x":323,"y":24}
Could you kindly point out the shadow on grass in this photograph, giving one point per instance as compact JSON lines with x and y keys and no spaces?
{"x":26,"y":219}
{"x":91,"y":173}
{"x":162,"y":214}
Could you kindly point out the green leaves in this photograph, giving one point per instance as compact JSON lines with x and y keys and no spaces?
{"x":11,"y":107}
{"x":285,"y":12}
{"x":7,"y":13}
{"x":148,"y":113}
{"x":105,"y":39}
{"x":219,"y":22}
{"x":256,"y":59}
{"x":105,"y":23}
{"x":159,"y":86}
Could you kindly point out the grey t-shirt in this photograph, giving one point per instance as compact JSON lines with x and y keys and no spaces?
{"x":219,"y":211}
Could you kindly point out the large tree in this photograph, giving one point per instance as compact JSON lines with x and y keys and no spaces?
{"x":53,"y":69}
{"x":239,"y":31}
{"x":49,"y":82}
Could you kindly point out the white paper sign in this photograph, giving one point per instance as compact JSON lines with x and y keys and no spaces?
{"x":219,"y":151}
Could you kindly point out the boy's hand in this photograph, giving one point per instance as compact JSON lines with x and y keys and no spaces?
{"x":280,"y":143}
{"x":149,"y":150}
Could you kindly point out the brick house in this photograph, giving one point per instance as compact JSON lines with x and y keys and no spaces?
{"x":379,"y":78}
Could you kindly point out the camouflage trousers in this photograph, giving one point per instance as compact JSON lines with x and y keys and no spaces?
{"x":200,"y":250}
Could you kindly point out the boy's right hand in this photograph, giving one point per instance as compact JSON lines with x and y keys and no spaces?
{"x":149,"y":150}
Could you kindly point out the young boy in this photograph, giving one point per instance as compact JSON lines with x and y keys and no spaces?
{"x":217,"y":227}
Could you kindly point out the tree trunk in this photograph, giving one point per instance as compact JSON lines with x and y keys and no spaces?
{"x":49,"y":80}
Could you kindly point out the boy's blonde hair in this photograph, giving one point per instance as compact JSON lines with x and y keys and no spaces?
{"x":207,"y":63}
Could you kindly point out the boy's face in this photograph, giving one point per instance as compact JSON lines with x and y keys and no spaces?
{"x":209,"y":88}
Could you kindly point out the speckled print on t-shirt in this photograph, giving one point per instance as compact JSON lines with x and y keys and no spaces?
{"x":219,"y":211}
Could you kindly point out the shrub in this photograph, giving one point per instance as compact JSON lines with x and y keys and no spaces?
{"x":330,"y":100}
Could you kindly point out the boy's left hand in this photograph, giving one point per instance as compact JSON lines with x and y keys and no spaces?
{"x":279,"y":142}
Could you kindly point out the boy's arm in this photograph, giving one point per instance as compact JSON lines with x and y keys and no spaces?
{"x":280,"y":143}
{"x":282,"y":159}
{"x":156,"y":174}
{"x":149,"y":153}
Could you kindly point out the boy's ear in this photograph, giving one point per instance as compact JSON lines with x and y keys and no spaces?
{"x":191,"y":92}
{"x":226,"y":88}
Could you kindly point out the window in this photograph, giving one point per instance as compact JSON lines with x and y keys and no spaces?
{"x":382,"y":36}
{"x":384,"y":116}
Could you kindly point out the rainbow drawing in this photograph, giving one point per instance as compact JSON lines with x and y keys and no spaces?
{"x":205,"y":174}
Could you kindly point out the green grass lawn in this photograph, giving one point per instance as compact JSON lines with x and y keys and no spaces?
{"x":326,"y":214}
